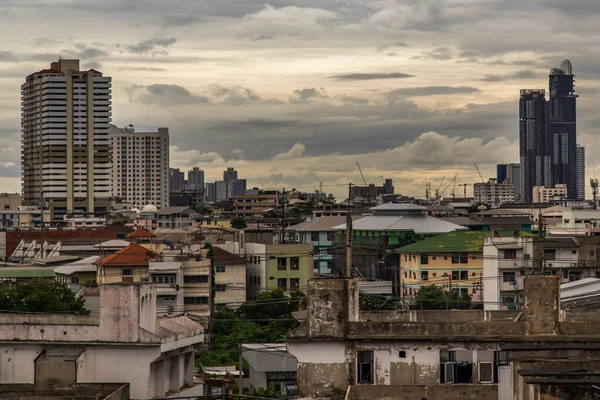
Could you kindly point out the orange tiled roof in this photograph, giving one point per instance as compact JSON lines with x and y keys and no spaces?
{"x":141,"y":233}
{"x":132,"y":255}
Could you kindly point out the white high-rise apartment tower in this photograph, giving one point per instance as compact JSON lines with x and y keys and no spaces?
{"x":65,"y":147}
{"x":140,"y":168}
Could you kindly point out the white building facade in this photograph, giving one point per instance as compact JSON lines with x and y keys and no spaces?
{"x":494,"y":193}
{"x":140,"y":166}
{"x":65,"y":145}
{"x":126,"y":342}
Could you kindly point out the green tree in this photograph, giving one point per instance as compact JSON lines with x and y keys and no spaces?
{"x":374,"y":302}
{"x":40,"y":296}
{"x":430,"y":297}
{"x":267,"y":319}
{"x":239,"y":223}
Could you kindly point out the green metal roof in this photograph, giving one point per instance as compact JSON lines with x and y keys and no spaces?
{"x":455,"y":242}
{"x":25,"y":272}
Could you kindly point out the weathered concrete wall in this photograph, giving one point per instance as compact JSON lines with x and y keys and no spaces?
{"x":324,"y":368}
{"x":438,"y":316}
{"x":331,"y":304}
{"x":462,"y":392}
{"x":436,"y":330}
{"x":542,"y":305}
{"x":420,"y":392}
{"x":55,"y":371}
{"x":323,"y":380}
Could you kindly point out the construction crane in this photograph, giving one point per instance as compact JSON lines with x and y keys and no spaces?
{"x":594,"y":184}
{"x":365,"y":182}
{"x":479,"y":172}
{"x":437,"y":191}
{"x":453,"y":181}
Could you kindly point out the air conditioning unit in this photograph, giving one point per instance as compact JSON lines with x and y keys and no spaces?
{"x":172,"y":285}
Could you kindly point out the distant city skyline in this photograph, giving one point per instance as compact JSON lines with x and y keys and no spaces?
{"x":297,"y":92}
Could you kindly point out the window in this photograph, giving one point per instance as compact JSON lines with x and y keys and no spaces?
{"x":330,"y":236}
{"x":434,"y":258}
{"x":591,"y":253}
{"x":220,"y":288}
{"x":282,"y":283}
{"x":424,"y":259}
{"x":486,"y":372}
{"x":195,"y":300}
{"x":74,"y":279}
{"x":402,"y":354}
{"x":455,"y":275}
{"x":161,"y":279}
{"x":294,"y":284}
{"x":424,"y":275}
{"x":510,"y":254}
{"x":364,"y":367}
{"x":282,"y":264}
{"x":508,"y":277}
{"x":550,"y":254}
{"x":127,"y":272}
{"x":220,"y":268}
{"x":574,"y":276}
{"x":464,"y":275}
{"x":573,"y":251}
{"x":508,"y":299}
{"x":295,"y":263}
{"x":434,"y":274}
{"x":195,"y":279}
{"x":314,"y":236}
{"x":461,"y":258}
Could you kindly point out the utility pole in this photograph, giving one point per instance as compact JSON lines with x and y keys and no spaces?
{"x":282,"y":241}
{"x":241,"y":381}
{"x":349,"y":236}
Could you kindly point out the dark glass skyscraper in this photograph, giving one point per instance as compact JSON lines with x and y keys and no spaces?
{"x":562,"y":127}
{"x":548,"y":136}
{"x":532,"y":129}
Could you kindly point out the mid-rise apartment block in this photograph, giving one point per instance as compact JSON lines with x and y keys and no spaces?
{"x":493,"y":192}
{"x":254,"y":205}
{"x":176,"y":180}
{"x":65,"y":142}
{"x":542,"y":194}
{"x":195,"y":180}
{"x":140,"y":167}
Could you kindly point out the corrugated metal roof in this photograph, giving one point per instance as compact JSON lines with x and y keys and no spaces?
{"x":461,"y":241}
{"x":26,"y":272}
{"x":269,"y":357}
{"x":420,"y":224}
{"x":320,"y":224}
{"x":84,"y":265}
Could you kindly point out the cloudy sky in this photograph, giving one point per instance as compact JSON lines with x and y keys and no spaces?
{"x":292,"y":93}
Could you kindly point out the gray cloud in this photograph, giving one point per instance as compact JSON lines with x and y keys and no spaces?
{"x":90,"y":52}
{"x":524,"y":74}
{"x":432,"y":91}
{"x":149,"y":45}
{"x":261,"y":38}
{"x":308,"y":94}
{"x":165,"y":95}
{"x":179,"y":20}
{"x":370,"y":76}
{"x":438,"y":53}
{"x":6,"y":56}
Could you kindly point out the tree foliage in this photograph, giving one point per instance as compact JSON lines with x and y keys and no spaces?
{"x":239,"y":223}
{"x":372,"y":302}
{"x":266,"y":319}
{"x":40,"y":296}
{"x":433,"y":297}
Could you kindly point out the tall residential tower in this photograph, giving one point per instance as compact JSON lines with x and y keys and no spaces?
{"x":141,"y":166}
{"x":65,"y":145}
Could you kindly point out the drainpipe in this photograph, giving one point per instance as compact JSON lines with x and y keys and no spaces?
{"x":412,"y":371}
